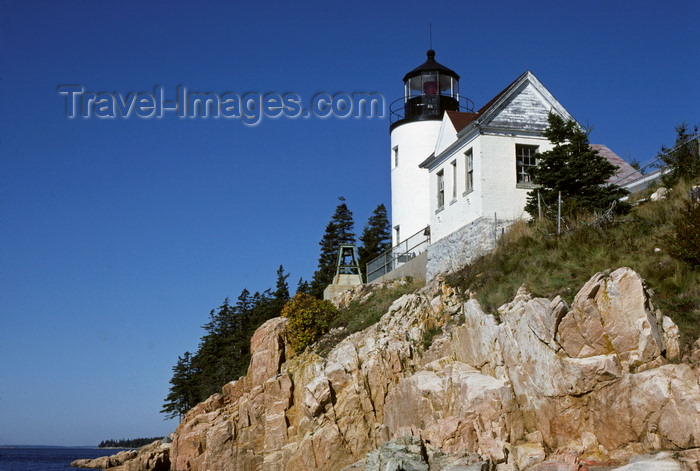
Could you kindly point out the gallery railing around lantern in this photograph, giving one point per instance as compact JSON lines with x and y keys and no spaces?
{"x":423,"y":107}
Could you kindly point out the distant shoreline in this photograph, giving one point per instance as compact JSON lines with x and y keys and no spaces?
{"x":82,"y":447}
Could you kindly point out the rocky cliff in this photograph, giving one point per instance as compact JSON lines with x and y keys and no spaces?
{"x":542,"y":385}
{"x":151,"y":457}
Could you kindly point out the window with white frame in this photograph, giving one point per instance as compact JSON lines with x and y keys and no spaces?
{"x":469,"y":170}
{"x":396,"y":156}
{"x":397,"y":235}
{"x":524,"y":161}
{"x":454,"y":179}
{"x":441,"y":189}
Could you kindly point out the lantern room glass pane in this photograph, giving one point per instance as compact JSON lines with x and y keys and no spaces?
{"x":449,"y":86}
{"x":415,"y":86}
{"x":430,"y":84}
{"x":446,"y":84}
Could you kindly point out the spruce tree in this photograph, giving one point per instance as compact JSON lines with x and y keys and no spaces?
{"x":281,"y":286}
{"x":339,"y":231}
{"x":224,"y":350}
{"x":684,"y":241}
{"x":183,"y":389}
{"x":216,"y":358}
{"x":303,"y":286}
{"x":375,"y":238}
{"x":575,"y":169}
{"x":683,"y":159}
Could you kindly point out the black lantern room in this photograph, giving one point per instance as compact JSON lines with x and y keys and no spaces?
{"x":429,"y":90}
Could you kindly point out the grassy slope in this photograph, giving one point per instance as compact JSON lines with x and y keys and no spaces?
{"x":550,"y":265}
{"x":366,"y":309}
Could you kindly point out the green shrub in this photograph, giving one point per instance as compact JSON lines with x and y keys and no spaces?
{"x":684,"y":241}
{"x":309,"y":318}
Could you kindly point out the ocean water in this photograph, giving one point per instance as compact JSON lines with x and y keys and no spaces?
{"x":28,"y":458}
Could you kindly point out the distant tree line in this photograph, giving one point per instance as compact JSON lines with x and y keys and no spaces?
{"x":223,"y":353}
{"x":127,"y":443}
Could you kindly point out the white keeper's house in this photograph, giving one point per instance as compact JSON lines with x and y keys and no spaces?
{"x":459,"y":176}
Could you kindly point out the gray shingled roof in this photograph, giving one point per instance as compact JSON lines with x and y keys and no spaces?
{"x":626,"y":172}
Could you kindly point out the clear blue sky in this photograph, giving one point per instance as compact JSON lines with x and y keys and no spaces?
{"x":119,"y":235}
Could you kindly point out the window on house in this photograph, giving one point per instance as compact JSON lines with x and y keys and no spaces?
{"x":524,"y":161}
{"x":397,"y":235}
{"x":469,"y":166}
{"x":396,"y":156}
{"x":454,"y":179}
{"x":441,"y":189}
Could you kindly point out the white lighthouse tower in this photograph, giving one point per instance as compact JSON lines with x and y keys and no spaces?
{"x":429,"y":90}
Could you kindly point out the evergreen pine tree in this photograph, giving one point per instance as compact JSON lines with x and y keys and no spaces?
{"x":183,"y":389}
{"x":224,"y":350}
{"x":683,"y":159}
{"x":345,"y":226}
{"x":215,"y":358}
{"x":244,"y":302}
{"x":375,"y":238}
{"x":684,"y":241}
{"x":281,"y":286}
{"x":271,"y":303}
{"x":339,"y":231}
{"x":573,"y":168}
{"x":237,"y":342}
{"x":303,"y":286}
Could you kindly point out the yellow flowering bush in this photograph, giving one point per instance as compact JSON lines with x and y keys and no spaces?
{"x":309,"y":318}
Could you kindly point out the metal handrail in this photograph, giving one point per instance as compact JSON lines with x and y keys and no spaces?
{"x":398,"y":254}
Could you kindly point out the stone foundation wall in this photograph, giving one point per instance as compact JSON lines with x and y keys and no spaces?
{"x":463,"y":246}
